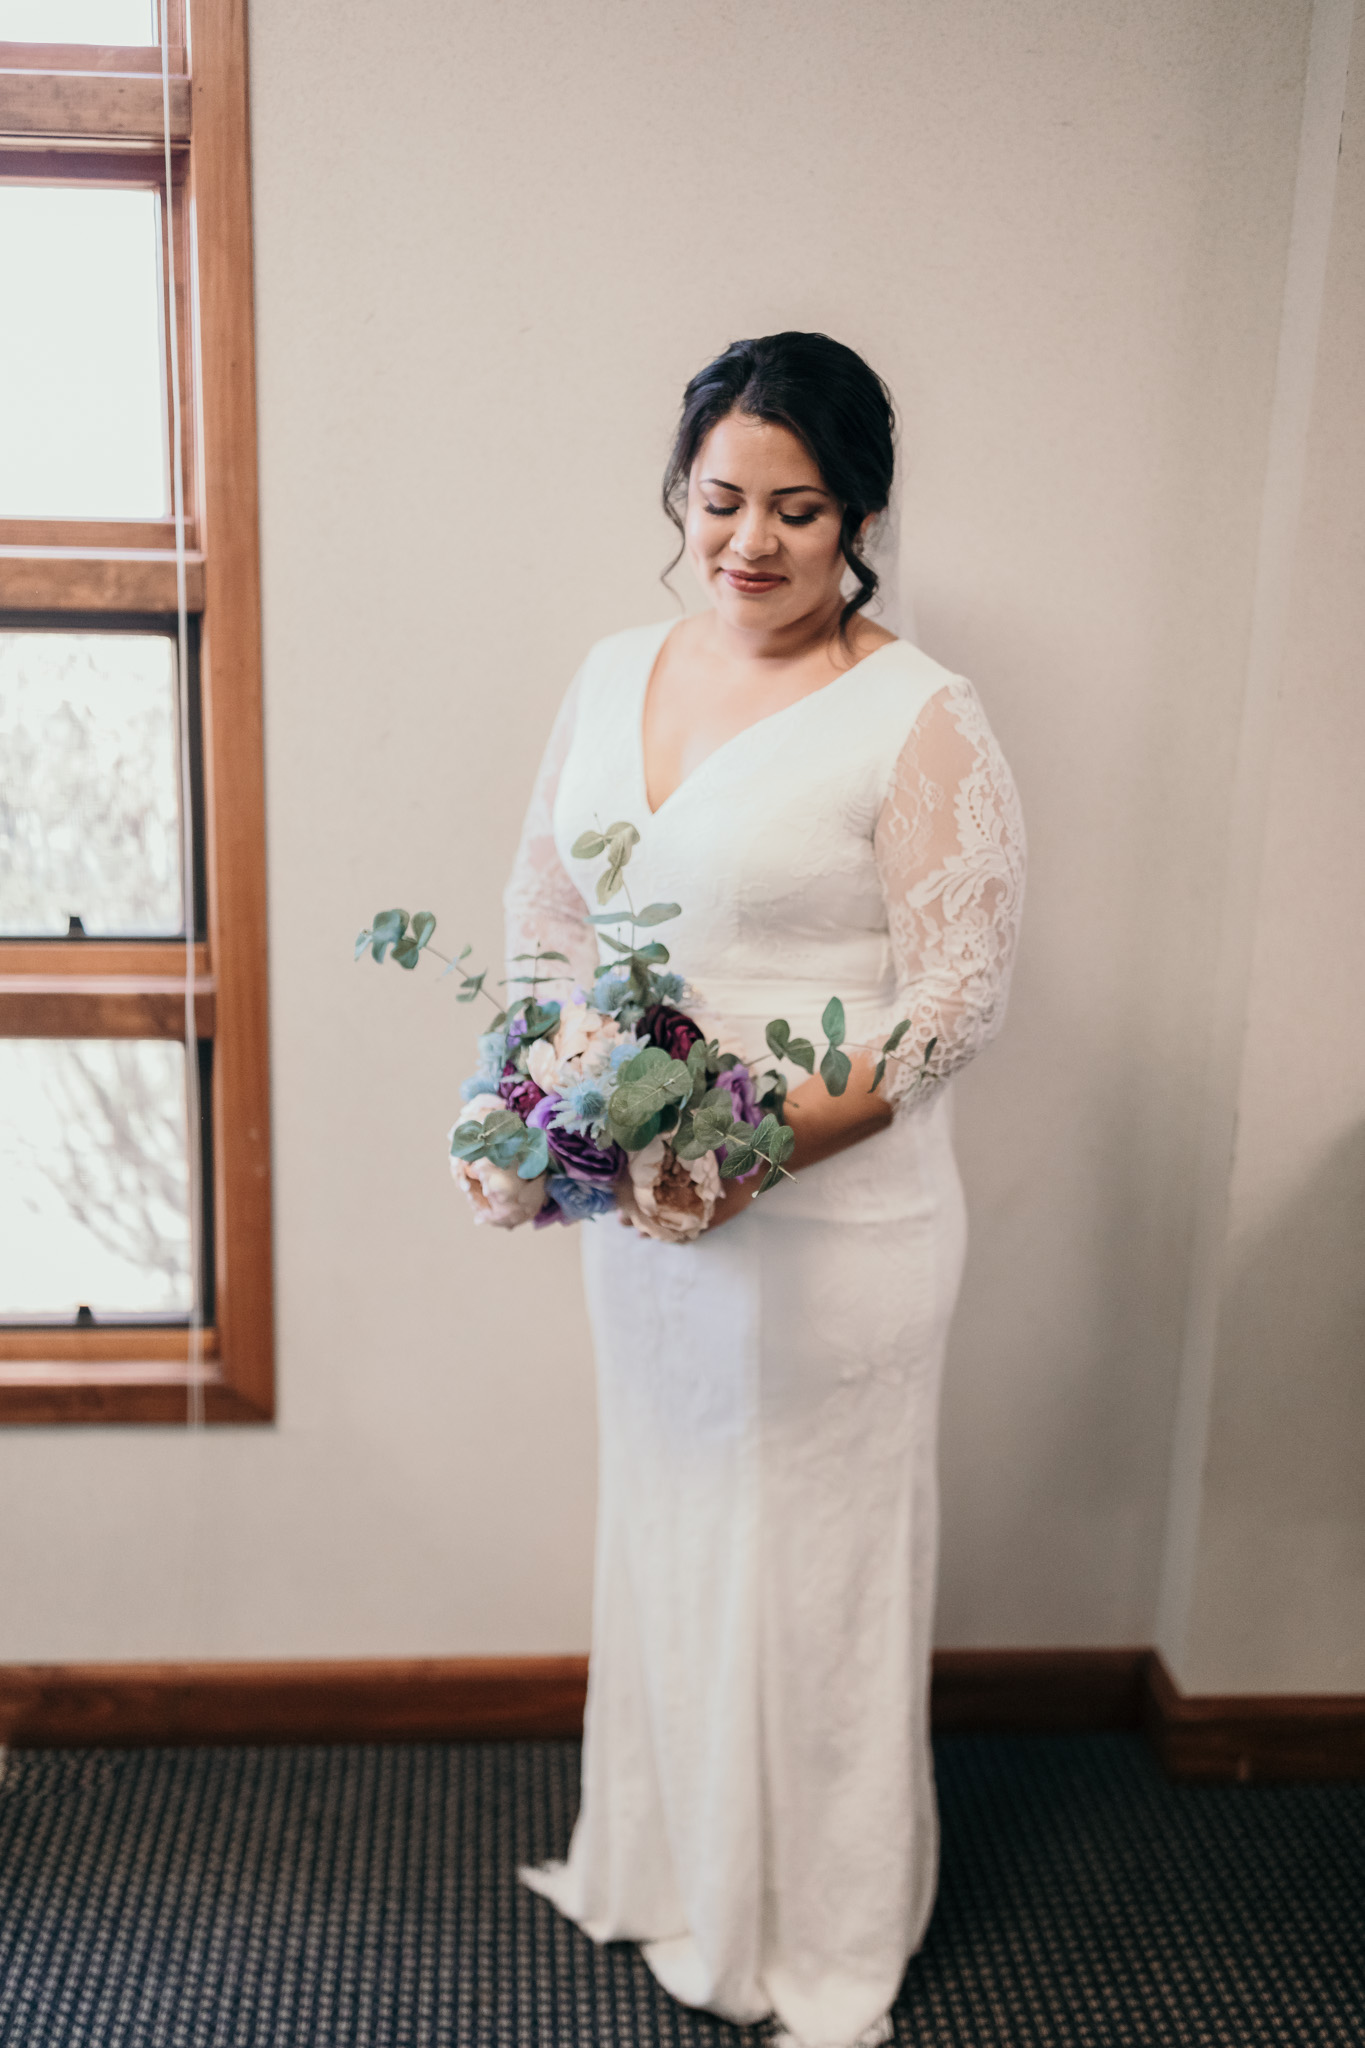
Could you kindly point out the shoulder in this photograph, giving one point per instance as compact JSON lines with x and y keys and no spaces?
{"x":899,"y":680}
{"x":622,"y":657}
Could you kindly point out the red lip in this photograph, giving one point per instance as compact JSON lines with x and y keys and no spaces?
{"x":738,"y":581}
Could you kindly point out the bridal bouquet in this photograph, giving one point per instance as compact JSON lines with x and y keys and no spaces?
{"x":623,"y":1097}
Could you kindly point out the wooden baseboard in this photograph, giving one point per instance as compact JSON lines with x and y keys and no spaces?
{"x":1245,"y":1737}
{"x":1037,"y":1691}
{"x":484,"y":1699}
{"x":445,"y":1699}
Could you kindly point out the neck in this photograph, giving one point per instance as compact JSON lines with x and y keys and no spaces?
{"x":814,"y":630}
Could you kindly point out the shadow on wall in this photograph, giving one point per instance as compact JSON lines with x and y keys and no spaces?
{"x":1293,"y":1344}
{"x":1285,"y":1568}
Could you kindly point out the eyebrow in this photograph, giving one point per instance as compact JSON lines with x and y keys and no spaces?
{"x":787,"y":490}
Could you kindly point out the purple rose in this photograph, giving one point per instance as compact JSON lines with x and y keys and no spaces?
{"x":573,"y":1152}
{"x":665,"y":1026}
{"x":520,"y":1092}
{"x":550,"y":1213}
{"x":738,"y":1084}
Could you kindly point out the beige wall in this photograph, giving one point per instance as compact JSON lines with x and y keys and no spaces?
{"x":492,"y":243}
{"x":1279,"y":1593}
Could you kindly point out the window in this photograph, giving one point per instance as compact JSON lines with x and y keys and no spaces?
{"x":126,"y":743}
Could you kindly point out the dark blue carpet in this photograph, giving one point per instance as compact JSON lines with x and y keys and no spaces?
{"x":365,"y":1898}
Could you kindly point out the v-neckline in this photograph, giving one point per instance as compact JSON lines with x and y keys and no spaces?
{"x":652,"y":811}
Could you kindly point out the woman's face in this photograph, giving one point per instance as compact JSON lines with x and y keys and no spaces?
{"x":762,"y":530}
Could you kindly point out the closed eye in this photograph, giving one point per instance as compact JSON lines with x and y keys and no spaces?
{"x":787,"y":518}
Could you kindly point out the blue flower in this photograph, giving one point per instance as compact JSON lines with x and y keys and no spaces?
{"x":583,"y":1108}
{"x":492,"y":1051}
{"x":577,"y":1199}
{"x":624,"y":1049}
{"x":478,"y":1084}
{"x":612,"y":991}
{"x":669,"y":988}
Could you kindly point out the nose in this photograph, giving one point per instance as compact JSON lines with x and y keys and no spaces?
{"x":754,"y":534}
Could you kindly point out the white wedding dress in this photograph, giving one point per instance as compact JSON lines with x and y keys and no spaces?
{"x":758,"y":1805}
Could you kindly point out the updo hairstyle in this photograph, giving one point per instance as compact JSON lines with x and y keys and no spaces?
{"x":823,"y":393}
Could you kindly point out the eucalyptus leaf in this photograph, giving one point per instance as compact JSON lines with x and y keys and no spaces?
{"x":653,"y":955}
{"x":696,"y":1067}
{"x":877,"y":1074}
{"x":362,"y":943}
{"x":777,"y":1035}
{"x":927,"y":1050}
{"x":423,"y":925}
{"x":588,"y":845}
{"x":775,"y":1094}
{"x":770,"y":1179}
{"x":657,"y":913}
{"x":629,"y":1132}
{"x":540,"y":1019}
{"x":537,"y":1156}
{"x":801,"y":1053}
{"x":738,"y":1159}
{"x":897,"y":1035}
{"x":832,"y":1023}
{"x":835,"y":1069}
{"x":654,"y":1077}
{"x":624,"y":834}
{"x":407,"y":952}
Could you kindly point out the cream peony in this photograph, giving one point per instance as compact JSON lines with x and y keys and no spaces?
{"x":670,"y":1198}
{"x":496,"y":1194}
{"x":579,"y":1047}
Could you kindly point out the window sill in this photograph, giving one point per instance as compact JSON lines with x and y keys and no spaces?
{"x":102,"y":1376}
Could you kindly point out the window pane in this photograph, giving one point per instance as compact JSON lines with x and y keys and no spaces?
{"x":94,"y":1180}
{"x":89,"y":810}
{"x":77,"y":21}
{"x":83,"y":417}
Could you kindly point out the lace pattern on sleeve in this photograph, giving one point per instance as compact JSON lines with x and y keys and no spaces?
{"x":949,"y":844}
{"x":542,"y":904}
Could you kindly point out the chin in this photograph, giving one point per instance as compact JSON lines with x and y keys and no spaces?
{"x":772,"y":608}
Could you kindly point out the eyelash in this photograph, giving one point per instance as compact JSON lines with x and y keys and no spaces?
{"x":787,"y":518}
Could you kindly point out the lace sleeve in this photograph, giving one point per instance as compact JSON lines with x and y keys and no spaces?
{"x":950,"y":852}
{"x":542,"y":904}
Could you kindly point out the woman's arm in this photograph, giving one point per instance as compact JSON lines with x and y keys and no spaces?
{"x":949,"y":845}
{"x":542,"y":904}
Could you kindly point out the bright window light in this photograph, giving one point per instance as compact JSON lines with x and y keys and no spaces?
{"x":89,"y":786}
{"x":94,"y":1178}
{"x":120,"y":22}
{"x":82,"y":389}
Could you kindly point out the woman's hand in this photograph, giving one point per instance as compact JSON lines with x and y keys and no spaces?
{"x":735,"y":1197}
{"x":822,"y":1125}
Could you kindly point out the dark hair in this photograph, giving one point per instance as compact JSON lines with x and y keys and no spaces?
{"x":823,"y":393}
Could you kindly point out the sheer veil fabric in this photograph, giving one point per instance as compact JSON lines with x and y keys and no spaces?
{"x":758,"y":1807}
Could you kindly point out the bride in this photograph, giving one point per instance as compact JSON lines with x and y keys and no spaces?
{"x":830,"y":809}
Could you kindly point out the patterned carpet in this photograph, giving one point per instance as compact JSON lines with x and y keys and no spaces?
{"x":365,"y":1898}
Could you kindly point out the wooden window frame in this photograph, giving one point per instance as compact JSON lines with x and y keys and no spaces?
{"x":71,"y":112}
